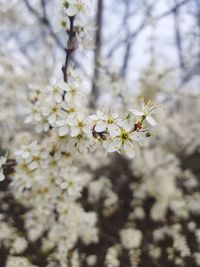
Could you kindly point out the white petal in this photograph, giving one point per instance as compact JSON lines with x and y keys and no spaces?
{"x":19,"y":152}
{"x":151,"y":120}
{"x":37,"y":117}
{"x":75,"y":131}
{"x":113,"y":146}
{"x":44,"y":155}
{"x":58,"y":98}
{"x":61,"y":123}
{"x":38,"y":128}
{"x":137,"y":112}
{"x":29,"y":119}
{"x":138,"y":137}
{"x":2,"y":176}
{"x":100,"y":127}
{"x":26,"y":155}
{"x":94,"y":117}
{"x":115,"y":116}
{"x":113,"y":130}
{"x":68,"y":97}
{"x":129,"y":150}
{"x":72,"y":2}
{"x":63,"y":130}
{"x":52,"y":118}
{"x":71,"y":11}
{"x":33,"y":165}
{"x":46,"y":127}
{"x":87,"y":129}
{"x":127,"y":125}
{"x":2,"y":161}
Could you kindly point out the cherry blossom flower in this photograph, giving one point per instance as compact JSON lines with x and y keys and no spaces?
{"x":56,"y":91}
{"x":106,"y":121}
{"x":59,"y":18}
{"x":79,"y":124}
{"x":42,"y":125}
{"x":75,"y":7}
{"x":148,"y":109}
{"x":34,"y":114}
{"x":62,"y":126}
{"x":73,"y":93}
{"x":52,"y":111}
{"x":123,"y":142}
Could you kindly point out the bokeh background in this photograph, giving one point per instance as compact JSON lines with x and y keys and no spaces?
{"x":147,"y":48}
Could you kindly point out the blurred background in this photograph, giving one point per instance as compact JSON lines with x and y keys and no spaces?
{"x":147,"y":48}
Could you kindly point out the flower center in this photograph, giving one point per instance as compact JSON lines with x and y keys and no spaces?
{"x":73,"y":91}
{"x":66,"y":4}
{"x":80,"y":124}
{"x":124,"y":136}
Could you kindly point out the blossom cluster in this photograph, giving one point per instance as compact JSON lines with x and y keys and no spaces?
{"x":79,"y":15}
{"x":62,"y":108}
{"x":48,"y":182}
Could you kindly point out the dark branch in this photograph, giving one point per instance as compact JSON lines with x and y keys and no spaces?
{"x":70,"y":48}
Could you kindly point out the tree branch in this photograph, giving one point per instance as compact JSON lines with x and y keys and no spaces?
{"x":44,"y":20}
{"x":69,"y":49}
{"x":143,"y":24}
{"x":97,"y":53}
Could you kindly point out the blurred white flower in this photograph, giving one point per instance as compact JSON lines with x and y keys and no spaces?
{"x":76,"y":7}
{"x":59,"y":19}
{"x":19,"y":245}
{"x":130,"y":238}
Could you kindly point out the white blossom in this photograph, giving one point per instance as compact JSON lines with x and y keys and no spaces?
{"x":147,"y":110}
{"x":130,"y":238}
{"x":106,"y":121}
{"x":76,"y":7}
{"x":123,"y":142}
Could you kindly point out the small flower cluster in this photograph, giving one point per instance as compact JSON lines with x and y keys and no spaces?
{"x":81,"y":13}
{"x":52,"y":158}
{"x":47,"y":180}
{"x":122,"y":133}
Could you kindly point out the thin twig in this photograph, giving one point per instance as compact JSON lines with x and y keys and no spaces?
{"x":44,"y":20}
{"x":69,"y":49}
{"x":143,"y":25}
